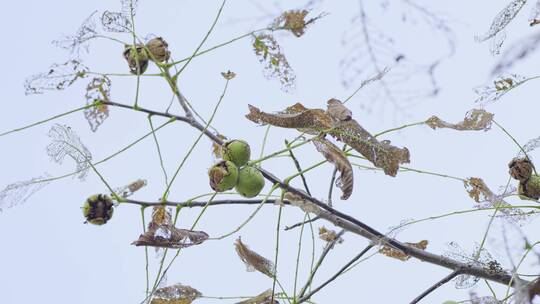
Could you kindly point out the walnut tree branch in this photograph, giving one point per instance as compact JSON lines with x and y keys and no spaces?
{"x":440,"y":283}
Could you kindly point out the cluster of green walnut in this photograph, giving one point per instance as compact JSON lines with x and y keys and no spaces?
{"x":523,"y":170}
{"x":233,"y":171}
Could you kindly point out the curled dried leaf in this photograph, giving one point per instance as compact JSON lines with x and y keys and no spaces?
{"x":253,"y":260}
{"x":336,"y":156}
{"x":397,"y":254}
{"x":59,"y":77}
{"x":176,"y":294}
{"x":168,"y":236}
{"x":19,"y":192}
{"x":337,"y":111}
{"x":329,"y":235}
{"x":295,"y":116}
{"x":263,"y":298}
{"x":480,"y":193}
{"x":130,"y":189}
{"x":66,"y":143}
{"x":298,"y":201}
{"x":274,"y":62}
{"x":475,"y":120}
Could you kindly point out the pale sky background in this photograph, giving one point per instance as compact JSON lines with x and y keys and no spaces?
{"x":49,"y":256}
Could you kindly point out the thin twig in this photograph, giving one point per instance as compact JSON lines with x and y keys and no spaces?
{"x":440,"y":283}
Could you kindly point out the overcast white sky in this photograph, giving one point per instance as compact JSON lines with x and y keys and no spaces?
{"x":49,"y":256}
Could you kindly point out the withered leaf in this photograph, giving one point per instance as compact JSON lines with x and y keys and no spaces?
{"x":334,"y":155}
{"x":168,"y":236}
{"x":295,"y":117}
{"x":129,"y":189}
{"x":397,"y":254}
{"x":329,"y":235}
{"x":475,"y":120}
{"x":253,"y":260}
{"x":176,"y":294}
{"x":263,"y":298}
{"x":293,"y":21}
{"x":274,"y":61}
{"x":97,"y":90}
{"x":298,"y":201}
{"x":480,"y":193}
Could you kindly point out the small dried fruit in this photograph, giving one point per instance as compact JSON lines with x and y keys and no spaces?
{"x":223,"y":176}
{"x":159,"y":49}
{"x":530,"y":189}
{"x":98,"y":209}
{"x":137,"y":58}
{"x":250,"y":182}
{"x":237,"y":151}
{"x":521,"y":169}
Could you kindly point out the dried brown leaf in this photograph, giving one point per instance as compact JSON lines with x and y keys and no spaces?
{"x":253,"y":260}
{"x":298,"y":201}
{"x":480,"y":193}
{"x":274,"y":62}
{"x":336,"y":156}
{"x":131,"y":188}
{"x":296,"y":117}
{"x":263,"y":298}
{"x":176,"y":294}
{"x":329,"y":235}
{"x":397,"y":254}
{"x":475,"y":120}
{"x":168,"y":236}
{"x":293,"y":21}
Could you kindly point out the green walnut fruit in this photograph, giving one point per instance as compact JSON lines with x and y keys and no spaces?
{"x":530,"y":189}
{"x":98,"y":209}
{"x":237,"y":151}
{"x":250,"y":182}
{"x":223,"y":176}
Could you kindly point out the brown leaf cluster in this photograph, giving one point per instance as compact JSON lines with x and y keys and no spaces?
{"x":253,"y":260}
{"x":336,"y":121}
{"x":475,"y":120}
{"x":397,"y":254}
{"x":176,"y":294}
{"x":274,"y":62}
{"x":329,"y":235}
{"x":293,"y":21}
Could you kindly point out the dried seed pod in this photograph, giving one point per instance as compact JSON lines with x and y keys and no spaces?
{"x":521,"y":169}
{"x":250,"y":182}
{"x":98,"y":209}
{"x":159,"y":49}
{"x":137,"y":58}
{"x":530,"y":189}
{"x":237,"y":151}
{"x":223,"y":176}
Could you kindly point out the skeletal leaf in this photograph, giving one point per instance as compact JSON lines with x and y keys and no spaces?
{"x":531,"y":145}
{"x":253,"y":260}
{"x":130,"y":189}
{"x":475,"y":120}
{"x":502,"y":85}
{"x":168,"y":236}
{"x":485,"y":198}
{"x":475,"y":299}
{"x":516,"y":52}
{"x":295,"y":116}
{"x":263,"y":298}
{"x":116,"y":22}
{"x":329,"y":235}
{"x":502,"y":19}
{"x":86,"y":32}
{"x":274,"y":62}
{"x":59,"y":77}
{"x":176,"y":294}
{"x":334,"y":155}
{"x":66,"y":143}
{"x":17,"y":193}
{"x":293,"y":21}
{"x":397,"y":254}
{"x":534,"y":19}
{"x":480,"y":257}
{"x":98,"y":90}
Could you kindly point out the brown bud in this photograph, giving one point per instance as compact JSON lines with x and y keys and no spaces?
{"x":521,"y":169}
{"x":159,"y":49}
{"x":137,"y":58}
